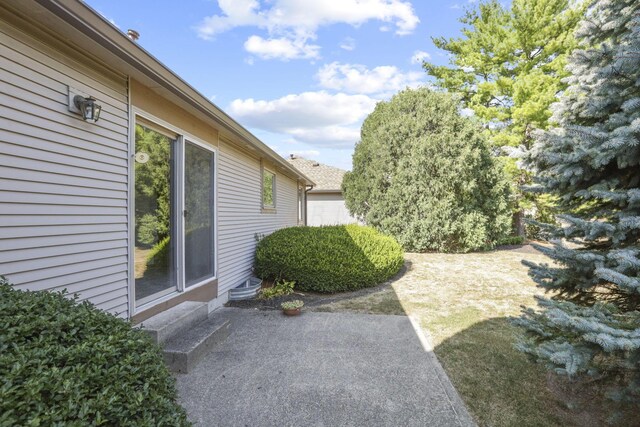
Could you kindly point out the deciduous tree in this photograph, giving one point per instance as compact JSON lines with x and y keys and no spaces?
{"x":508,"y":68}
{"x":424,"y":174}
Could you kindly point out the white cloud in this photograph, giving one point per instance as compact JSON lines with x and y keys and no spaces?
{"x":281,"y":48}
{"x":355,"y":78}
{"x":306,"y":153}
{"x":236,"y":13}
{"x":303,"y":16}
{"x":316,"y":118}
{"x":348,"y":44}
{"x":299,"y":20}
{"x":419,"y":56}
{"x":329,"y":136}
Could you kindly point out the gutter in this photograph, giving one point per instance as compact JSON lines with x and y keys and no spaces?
{"x":96,"y":28}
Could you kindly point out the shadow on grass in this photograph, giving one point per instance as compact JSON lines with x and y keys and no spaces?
{"x":502,"y":387}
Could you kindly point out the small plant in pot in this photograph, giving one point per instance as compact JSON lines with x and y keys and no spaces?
{"x":292,"y":308}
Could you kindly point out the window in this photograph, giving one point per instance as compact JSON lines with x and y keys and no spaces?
{"x":174,"y":195}
{"x":268,"y":189}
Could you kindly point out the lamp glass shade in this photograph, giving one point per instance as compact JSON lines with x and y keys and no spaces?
{"x":97,"y":108}
{"x":88,"y":108}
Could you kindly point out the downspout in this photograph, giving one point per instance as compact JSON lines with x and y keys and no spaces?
{"x":305,"y":202}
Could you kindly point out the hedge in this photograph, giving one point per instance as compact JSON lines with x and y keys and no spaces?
{"x":328,"y":258}
{"x":67,"y":363}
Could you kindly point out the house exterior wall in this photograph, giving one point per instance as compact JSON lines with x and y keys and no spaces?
{"x":327,"y":209}
{"x":63,"y":181}
{"x":240,"y":215}
{"x":65,"y":199}
{"x":145,"y":100}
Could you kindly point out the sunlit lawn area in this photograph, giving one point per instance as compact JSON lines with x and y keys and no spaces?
{"x":463,"y":301}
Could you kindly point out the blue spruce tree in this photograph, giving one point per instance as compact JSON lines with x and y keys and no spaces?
{"x":591,"y":161}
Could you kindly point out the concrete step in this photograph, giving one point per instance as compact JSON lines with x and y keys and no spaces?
{"x":184,"y":350}
{"x":175,"y":320}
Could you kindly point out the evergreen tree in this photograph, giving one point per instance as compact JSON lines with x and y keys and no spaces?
{"x":508,"y":68}
{"x":425,"y":175}
{"x":592,"y":162}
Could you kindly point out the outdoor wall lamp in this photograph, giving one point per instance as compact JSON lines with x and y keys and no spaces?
{"x":88,"y":108}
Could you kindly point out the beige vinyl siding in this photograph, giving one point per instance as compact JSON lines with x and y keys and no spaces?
{"x":240,"y":215}
{"x":63,"y":181}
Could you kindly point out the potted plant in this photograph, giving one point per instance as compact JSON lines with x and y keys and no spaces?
{"x":292,"y":308}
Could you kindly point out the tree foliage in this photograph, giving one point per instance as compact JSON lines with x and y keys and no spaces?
{"x":424,"y":174}
{"x":153,"y":186}
{"x":591,"y":161}
{"x":508,"y":68}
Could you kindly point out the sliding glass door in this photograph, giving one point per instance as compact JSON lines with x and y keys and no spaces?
{"x":198,"y":223}
{"x":174,"y":213}
{"x":155,"y":227}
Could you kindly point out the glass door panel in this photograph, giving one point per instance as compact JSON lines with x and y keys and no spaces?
{"x":155,"y":228}
{"x":199,"y":199}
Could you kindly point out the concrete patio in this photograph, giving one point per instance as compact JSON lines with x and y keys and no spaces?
{"x":320,"y":369}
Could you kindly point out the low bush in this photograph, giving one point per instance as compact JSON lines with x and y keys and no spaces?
{"x":329,"y":258}
{"x":510,"y":241}
{"x":277,"y":290}
{"x":67,"y":363}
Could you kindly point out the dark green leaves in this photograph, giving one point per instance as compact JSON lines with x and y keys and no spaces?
{"x":328,"y":259}
{"x":424,"y":174}
{"x":68,"y":363}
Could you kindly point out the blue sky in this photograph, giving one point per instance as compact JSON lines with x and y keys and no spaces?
{"x":301,"y":75}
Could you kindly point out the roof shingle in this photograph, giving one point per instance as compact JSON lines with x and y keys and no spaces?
{"x":327,"y":178}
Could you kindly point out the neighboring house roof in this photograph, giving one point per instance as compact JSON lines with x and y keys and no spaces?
{"x":75,"y":20}
{"x":327,"y":178}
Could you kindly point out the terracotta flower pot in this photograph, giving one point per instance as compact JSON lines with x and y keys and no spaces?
{"x":291,"y":311}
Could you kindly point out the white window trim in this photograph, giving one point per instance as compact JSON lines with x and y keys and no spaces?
{"x":182,"y":138}
{"x":195,"y":141}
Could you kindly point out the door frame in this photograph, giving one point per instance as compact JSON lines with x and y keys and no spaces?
{"x":181,"y":140}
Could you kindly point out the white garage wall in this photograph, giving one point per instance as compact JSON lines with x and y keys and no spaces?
{"x":327,"y":209}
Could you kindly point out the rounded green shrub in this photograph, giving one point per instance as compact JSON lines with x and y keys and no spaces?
{"x":67,"y":363}
{"x":329,"y":258}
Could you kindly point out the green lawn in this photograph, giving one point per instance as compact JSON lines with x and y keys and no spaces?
{"x":463,"y":301}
